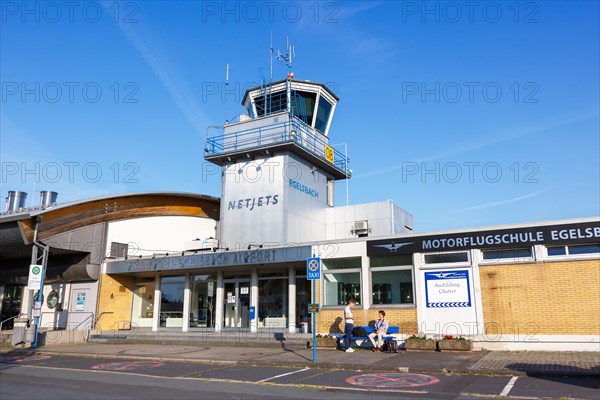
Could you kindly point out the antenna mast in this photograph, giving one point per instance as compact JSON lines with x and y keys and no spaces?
{"x":226,"y":87}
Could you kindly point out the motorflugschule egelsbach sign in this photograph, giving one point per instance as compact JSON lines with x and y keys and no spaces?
{"x":586,"y":232}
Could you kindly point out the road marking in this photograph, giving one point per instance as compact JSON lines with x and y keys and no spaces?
{"x":22,"y":358}
{"x":279,"y":376}
{"x":291,"y":385}
{"x":128,"y":366}
{"x":509,"y":386}
{"x":392,"y":380}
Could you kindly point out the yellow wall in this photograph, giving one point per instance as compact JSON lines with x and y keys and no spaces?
{"x":115,"y":300}
{"x":551,"y":298}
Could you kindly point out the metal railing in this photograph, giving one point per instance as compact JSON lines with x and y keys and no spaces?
{"x":2,"y":323}
{"x":6,"y":320}
{"x":100,"y":316}
{"x":292,"y":131}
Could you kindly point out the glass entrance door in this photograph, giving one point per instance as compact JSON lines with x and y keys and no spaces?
{"x":11,"y":304}
{"x":237,"y":304}
{"x":142,"y":309}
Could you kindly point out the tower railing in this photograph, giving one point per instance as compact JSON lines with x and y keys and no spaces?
{"x":292,"y":131}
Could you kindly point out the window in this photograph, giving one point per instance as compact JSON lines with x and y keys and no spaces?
{"x":52,"y":300}
{"x":303,"y":105}
{"x":35,"y":296}
{"x":275,"y":102}
{"x":572,"y":250}
{"x":341,"y":281}
{"x":442,"y":258}
{"x":507,"y":254}
{"x":203,"y":301}
{"x":323,"y":112}
{"x":392,"y":280}
{"x":171,"y":304}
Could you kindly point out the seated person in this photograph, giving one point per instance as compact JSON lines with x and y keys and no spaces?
{"x":379,"y":330}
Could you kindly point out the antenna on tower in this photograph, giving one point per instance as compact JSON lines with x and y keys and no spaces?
{"x":288,"y":57}
{"x":226,"y":87}
{"x":271,"y":59}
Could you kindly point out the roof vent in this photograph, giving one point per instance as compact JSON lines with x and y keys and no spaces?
{"x":15,"y":201}
{"x":47,"y":198}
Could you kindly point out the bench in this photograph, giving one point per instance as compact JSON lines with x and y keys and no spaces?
{"x":392,"y":333}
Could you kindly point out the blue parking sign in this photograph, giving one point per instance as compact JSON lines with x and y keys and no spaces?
{"x":313,"y":268}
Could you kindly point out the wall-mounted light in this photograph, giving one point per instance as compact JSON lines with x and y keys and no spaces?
{"x":258,"y":246}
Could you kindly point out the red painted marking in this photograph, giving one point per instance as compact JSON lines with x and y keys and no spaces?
{"x":18,"y":359}
{"x":392,"y":380}
{"x":128,"y":365}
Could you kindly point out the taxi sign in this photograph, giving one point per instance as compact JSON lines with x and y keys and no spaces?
{"x":313,"y":268}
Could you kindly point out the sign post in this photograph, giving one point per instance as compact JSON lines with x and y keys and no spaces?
{"x":313,"y":273}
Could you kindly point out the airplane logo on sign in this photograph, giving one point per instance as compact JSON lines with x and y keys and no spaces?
{"x":393,"y":247}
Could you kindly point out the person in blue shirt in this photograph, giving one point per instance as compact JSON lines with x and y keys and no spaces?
{"x":379,"y":330}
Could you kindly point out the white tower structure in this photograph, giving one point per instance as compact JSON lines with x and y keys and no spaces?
{"x":278,"y":168}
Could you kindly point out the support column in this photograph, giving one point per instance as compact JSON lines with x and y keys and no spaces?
{"x":292,"y":299}
{"x":365,"y":284}
{"x":219,"y":302}
{"x":187,"y":296}
{"x":254,"y":299}
{"x":157,"y":297}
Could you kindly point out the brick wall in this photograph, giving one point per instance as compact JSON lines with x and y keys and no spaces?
{"x":115,"y":296}
{"x":552,"y":298}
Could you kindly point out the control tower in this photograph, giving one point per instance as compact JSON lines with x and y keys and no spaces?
{"x":278,"y":166}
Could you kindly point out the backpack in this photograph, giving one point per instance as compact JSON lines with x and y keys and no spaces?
{"x":359,"y":331}
{"x":390,"y":346}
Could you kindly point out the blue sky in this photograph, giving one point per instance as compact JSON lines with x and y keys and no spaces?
{"x":463,"y":115}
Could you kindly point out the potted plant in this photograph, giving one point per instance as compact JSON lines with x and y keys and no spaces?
{"x":449,"y":342}
{"x":415,"y":342}
{"x":326,"y":341}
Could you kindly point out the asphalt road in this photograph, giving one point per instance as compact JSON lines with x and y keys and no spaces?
{"x":73,"y":377}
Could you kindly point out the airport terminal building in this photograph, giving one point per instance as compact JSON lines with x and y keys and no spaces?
{"x":240,"y":262}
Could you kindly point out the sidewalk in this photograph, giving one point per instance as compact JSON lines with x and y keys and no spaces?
{"x":475,"y":362}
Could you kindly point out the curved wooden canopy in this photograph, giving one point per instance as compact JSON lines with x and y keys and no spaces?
{"x":67,"y":217}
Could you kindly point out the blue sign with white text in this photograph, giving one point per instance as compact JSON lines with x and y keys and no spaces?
{"x":313,"y":268}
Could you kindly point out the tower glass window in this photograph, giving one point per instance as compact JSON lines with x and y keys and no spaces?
{"x":323,"y":113}
{"x":303,"y":105}
{"x":270,"y":103}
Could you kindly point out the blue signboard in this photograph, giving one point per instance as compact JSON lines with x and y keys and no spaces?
{"x":445,"y":289}
{"x":313,"y":268}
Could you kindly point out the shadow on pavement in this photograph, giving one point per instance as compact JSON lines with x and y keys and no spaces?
{"x":585,"y":377}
